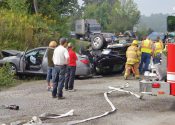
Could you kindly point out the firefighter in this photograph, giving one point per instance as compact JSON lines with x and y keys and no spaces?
{"x":133,"y":59}
{"x":157,"y":50}
{"x":146,"y":50}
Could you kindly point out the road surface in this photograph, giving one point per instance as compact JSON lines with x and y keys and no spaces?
{"x":88,"y":101}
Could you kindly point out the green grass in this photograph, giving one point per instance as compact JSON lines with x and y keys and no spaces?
{"x":7,"y":79}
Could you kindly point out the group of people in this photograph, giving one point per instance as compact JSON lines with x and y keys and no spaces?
{"x":61,"y":67}
{"x":62,"y":62}
{"x":139,"y":56}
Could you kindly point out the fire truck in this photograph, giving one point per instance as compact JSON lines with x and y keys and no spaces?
{"x":161,"y":78}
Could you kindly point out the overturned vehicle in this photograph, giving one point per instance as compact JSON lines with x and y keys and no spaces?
{"x":111,"y":57}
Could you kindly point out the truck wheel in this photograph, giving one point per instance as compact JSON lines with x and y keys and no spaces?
{"x":97,"y":42}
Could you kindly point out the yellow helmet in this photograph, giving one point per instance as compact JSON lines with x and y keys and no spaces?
{"x":135,"y":42}
{"x":53,"y":44}
{"x":69,"y":45}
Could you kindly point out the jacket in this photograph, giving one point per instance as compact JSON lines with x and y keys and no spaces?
{"x":133,"y":55}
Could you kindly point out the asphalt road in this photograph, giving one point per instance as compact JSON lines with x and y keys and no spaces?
{"x":88,"y":101}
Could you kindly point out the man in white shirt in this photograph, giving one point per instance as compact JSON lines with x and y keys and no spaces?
{"x":60,"y":60}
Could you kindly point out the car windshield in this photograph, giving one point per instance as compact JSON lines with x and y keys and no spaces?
{"x":95,"y":27}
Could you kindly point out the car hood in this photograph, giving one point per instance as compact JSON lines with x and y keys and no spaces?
{"x":7,"y":53}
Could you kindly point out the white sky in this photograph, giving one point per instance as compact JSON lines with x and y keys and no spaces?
{"x":148,"y":7}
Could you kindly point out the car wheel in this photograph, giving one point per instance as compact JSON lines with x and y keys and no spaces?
{"x":13,"y":69}
{"x":97,"y":41}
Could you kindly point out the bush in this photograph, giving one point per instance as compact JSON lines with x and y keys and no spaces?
{"x":21,"y":30}
{"x":6,"y":78}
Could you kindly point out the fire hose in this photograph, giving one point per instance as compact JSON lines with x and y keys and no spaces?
{"x":70,"y":113}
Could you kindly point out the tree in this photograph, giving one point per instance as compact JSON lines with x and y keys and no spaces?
{"x":124,"y":16}
{"x":113,"y":15}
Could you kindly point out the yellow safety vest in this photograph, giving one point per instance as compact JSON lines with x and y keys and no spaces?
{"x":158,"y":48}
{"x":146,"y":46}
{"x":133,"y":55}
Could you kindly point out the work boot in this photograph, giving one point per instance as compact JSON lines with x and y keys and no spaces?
{"x":125,"y":77}
{"x":137,"y":78}
{"x":60,"y":97}
{"x":71,"y":90}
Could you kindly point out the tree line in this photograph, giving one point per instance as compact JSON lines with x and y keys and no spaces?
{"x":35,"y":22}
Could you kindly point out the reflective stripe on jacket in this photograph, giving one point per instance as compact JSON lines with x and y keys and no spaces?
{"x":133,"y":55}
{"x":146,"y":46}
{"x":157,"y":48}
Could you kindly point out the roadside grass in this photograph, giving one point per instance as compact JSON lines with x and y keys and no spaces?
{"x":7,"y":79}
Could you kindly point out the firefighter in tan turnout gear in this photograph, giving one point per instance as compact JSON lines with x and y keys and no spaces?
{"x":133,"y":59}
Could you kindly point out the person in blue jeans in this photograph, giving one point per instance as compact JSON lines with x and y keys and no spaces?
{"x":145,"y":59}
{"x":60,"y":60}
{"x":146,"y":50}
{"x":50,"y":50}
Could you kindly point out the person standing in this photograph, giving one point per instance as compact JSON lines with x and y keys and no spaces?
{"x":71,"y":69}
{"x":133,"y":58}
{"x":60,"y":60}
{"x":49,"y":77}
{"x":146,"y":50}
{"x":157,"y":50}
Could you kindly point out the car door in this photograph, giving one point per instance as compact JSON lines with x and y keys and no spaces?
{"x":34,"y":60}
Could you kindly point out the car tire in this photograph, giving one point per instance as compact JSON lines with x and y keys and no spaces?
{"x":97,"y":42}
{"x":13,"y":69}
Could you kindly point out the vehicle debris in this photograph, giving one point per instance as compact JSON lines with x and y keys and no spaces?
{"x":11,"y":107}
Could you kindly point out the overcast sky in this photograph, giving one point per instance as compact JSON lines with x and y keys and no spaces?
{"x":148,"y":7}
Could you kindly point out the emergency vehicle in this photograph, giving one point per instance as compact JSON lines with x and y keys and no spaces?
{"x":161,"y":79}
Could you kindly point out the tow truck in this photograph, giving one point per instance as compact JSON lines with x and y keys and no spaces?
{"x":161,"y":78}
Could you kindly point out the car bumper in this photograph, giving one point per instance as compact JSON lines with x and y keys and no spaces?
{"x":83,"y":71}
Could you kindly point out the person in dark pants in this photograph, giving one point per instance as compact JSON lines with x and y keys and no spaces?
{"x":52,"y":45}
{"x":157,"y":50}
{"x":146,"y":50}
{"x":60,"y":60}
{"x":71,"y":69}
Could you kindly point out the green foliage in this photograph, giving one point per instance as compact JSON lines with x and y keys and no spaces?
{"x":18,"y":5}
{"x":6,"y":78}
{"x":20,"y":27}
{"x":19,"y":30}
{"x":124,"y":16}
{"x":113,"y":16}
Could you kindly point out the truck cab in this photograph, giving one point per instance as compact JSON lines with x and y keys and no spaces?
{"x":85,"y":28}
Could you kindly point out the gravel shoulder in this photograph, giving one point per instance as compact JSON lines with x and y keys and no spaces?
{"x":88,"y":101}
